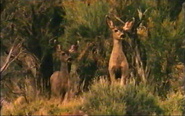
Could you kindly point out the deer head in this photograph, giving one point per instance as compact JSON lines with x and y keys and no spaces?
{"x":117,"y":33}
{"x":65,"y":57}
{"x":62,"y":55}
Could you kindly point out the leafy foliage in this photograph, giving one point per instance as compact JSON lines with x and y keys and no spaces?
{"x":118,"y":100}
{"x":107,"y":101}
{"x":91,"y":30}
{"x":178,"y":104}
{"x":89,"y":24}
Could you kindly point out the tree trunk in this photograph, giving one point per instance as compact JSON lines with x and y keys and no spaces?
{"x":46,"y":71}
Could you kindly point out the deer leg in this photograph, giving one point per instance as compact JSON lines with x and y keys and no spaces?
{"x":123,"y":80}
{"x":112,"y":76}
{"x":62,"y":97}
{"x":123,"y":77}
{"x":66,"y":97}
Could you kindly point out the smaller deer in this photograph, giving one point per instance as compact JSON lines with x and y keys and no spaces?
{"x":118,"y":65}
{"x":59,"y":80}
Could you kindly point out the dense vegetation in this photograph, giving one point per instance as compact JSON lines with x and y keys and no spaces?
{"x":155,"y":55}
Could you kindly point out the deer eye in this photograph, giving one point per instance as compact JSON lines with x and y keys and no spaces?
{"x":116,"y":30}
{"x":63,"y":53}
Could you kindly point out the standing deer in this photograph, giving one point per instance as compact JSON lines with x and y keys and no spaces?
{"x":59,"y":80}
{"x":118,"y":65}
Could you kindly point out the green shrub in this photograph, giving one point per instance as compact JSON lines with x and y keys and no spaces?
{"x":141,"y":100}
{"x":89,"y":24}
{"x":118,"y":100}
{"x":103,"y":99}
{"x":173,"y":104}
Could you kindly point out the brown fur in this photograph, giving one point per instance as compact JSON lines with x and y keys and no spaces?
{"x":118,"y":65}
{"x":59,"y":80}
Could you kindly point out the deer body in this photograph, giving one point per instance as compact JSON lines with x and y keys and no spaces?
{"x":118,"y":65}
{"x":59,"y":80}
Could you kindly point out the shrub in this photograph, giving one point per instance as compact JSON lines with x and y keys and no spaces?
{"x":119,"y":100}
{"x":173,"y":104}
{"x":88,"y":24}
{"x":141,"y":100}
{"x":103,"y":99}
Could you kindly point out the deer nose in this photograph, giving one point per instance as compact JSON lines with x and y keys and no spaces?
{"x":69,"y":59}
{"x":122,"y":36}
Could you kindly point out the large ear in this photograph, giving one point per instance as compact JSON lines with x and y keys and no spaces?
{"x":58,"y":48}
{"x":128,"y":25}
{"x":109,"y":22}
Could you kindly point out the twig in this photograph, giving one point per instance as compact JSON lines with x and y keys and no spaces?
{"x":119,"y":19}
{"x":8,"y":61}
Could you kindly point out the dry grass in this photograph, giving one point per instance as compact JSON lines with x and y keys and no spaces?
{"x":41,"y":106}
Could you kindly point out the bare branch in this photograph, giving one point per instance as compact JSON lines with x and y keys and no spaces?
{"x":119,"y":19}
{"x":8,"y":59}
{"x":85,"y":51}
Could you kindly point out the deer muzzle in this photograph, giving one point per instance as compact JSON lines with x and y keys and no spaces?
{"x":69,"y":59}
{"x":122,"y":36}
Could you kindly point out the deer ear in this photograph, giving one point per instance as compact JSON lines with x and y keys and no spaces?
{"x":58,"y":47}
{"x":128,"y":25}
{"x":109,"y":22}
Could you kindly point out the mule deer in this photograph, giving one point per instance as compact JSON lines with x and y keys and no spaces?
{"x":59,"y":80}
{"x":118,"y":65}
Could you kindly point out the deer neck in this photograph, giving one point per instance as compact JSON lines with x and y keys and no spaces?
{"x":117,"y":46}
{"x":64,"y":67}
